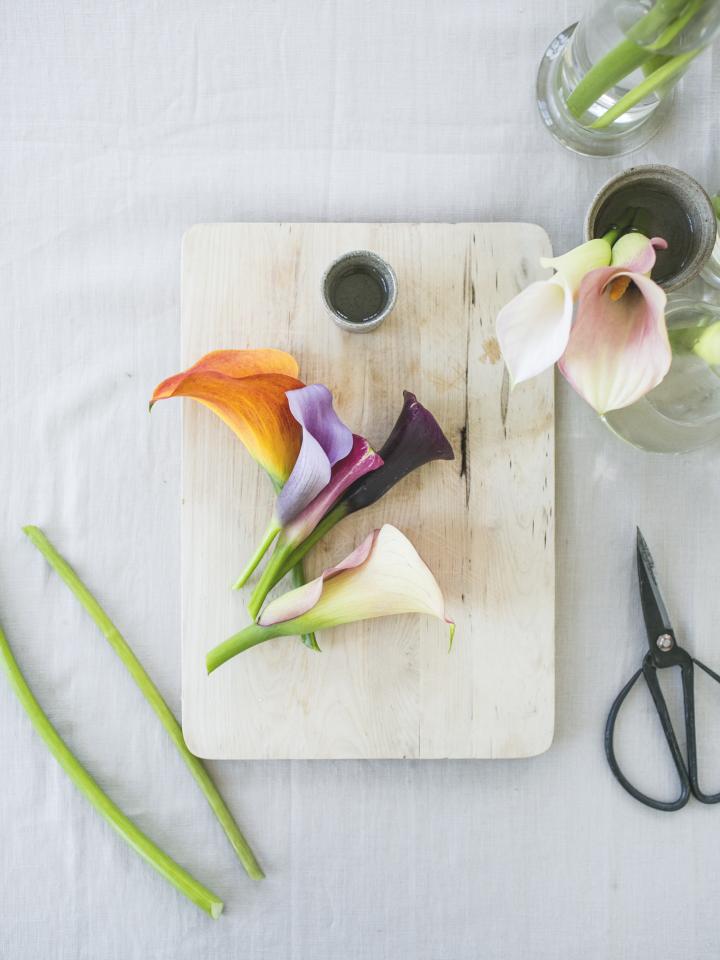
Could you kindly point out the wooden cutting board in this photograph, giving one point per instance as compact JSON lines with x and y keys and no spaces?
{"x":484,"y":523}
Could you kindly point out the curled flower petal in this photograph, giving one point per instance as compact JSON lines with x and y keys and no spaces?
{"x":231,"y":363}
{"x":382,"y":577}
{"x":299,"y":601}
{"x":325,"y":440}
{"x":415,"y":439}
{"x":256,"y":410}
{"x":247,"y":390}
{"x":574,"y":264}
{"x":618,"y":348}
{"x":533,"y":328}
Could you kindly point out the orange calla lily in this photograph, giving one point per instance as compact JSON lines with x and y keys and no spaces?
{"x":246,"y":389}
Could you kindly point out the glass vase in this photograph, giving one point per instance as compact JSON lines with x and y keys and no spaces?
{"x":605,"y":84}
{"x":683,"y":412}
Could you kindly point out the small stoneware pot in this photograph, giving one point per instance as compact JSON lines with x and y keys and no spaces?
{"x":662,"y":202}
{"x":359,"y":290}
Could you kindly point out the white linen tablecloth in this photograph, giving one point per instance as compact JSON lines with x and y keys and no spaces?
{"x":123,"y":123}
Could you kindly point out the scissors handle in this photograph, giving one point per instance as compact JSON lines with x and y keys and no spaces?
{"x":692,"y":755}
{"x":649,"y":671}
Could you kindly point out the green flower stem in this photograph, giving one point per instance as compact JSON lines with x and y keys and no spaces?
{"x":286,"y":557}
{"x":609,"y":70}
{"x":660,"y":76}
{"x":272,"y":531}
{"x":249,"y":637}
{"x":142,"y":844}
{"x":298,"y":580}
{"x":684,"y":339}
{"x":337,"y":514}
{"x":270,"y":576}
{"x":629,"y":54}
{"x":612,"y":235}
{"x":653,"y":63}
{"x":677,"y":26}
{"x":152,"y":695}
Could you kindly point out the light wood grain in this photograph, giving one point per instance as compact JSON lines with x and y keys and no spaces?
{"x":484,"y":523}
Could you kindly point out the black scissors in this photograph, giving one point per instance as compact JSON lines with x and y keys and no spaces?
{"x":663,"y":652}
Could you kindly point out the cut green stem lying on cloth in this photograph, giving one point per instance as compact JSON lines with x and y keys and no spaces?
{"x":152,"y":695}
{"x":142,"y":844}
{"x":383,"y":576}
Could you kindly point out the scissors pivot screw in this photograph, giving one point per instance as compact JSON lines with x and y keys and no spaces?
{"x":665,"y":642}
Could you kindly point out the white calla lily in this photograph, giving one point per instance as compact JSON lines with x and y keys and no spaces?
{"x":533,"y":329}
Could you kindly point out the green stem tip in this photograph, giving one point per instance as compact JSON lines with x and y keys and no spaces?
{"x":272,"y":531}
{"x":131,"y":834}
{"x":153,"y":697}
{"x":251,"y":636}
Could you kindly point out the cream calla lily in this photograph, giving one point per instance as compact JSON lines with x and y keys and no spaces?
{"x":383,"y":576}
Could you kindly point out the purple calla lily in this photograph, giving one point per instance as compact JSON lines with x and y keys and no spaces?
{"x":325,"y":440}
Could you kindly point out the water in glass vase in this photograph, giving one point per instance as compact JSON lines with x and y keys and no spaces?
{"x":605,"y":85}
{"x":683,"y":412}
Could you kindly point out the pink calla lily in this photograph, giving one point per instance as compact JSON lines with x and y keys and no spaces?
{"x":618,"y":348}
{"x":382,"y":577}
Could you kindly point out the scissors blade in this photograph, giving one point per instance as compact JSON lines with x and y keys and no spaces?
{"x":657,"y":619}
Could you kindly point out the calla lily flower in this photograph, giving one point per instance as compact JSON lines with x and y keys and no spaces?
{"x":247,"y":390}
{"x":361,"y":460}
{"x":416,"y":439}
{"x":618,"y":348}
{"x":534,"y":327}
{"x":382,"y":577}
{"x":325,"y":441}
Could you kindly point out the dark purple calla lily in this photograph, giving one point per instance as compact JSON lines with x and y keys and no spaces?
{"x":416,"y":439}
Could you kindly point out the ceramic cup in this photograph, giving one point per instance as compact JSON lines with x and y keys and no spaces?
{"x":667,"y":203}
{"x":359,"y":290}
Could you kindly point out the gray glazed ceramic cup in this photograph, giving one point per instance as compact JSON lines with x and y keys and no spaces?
{"x":690,"y":227}
{"x":359,"y":290}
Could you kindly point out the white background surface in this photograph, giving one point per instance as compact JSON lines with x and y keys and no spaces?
{"x":122,"y":124}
